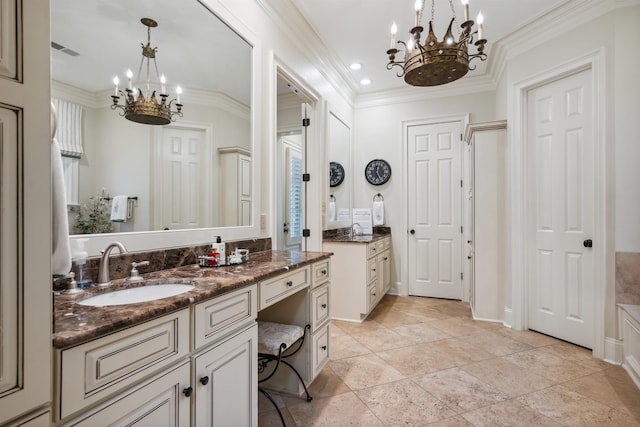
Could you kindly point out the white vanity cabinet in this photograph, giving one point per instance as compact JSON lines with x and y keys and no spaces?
{"x":361,"y":277}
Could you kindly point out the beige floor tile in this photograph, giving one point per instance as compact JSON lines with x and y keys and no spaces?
{"x":460,"y":391}
{"x":456,"y":421}
{"x":458,"y":326}
{"x":384,"y":339}
{"x":272,"y":419}
{"x":403,"y":403}
{"x":496,"y":344}
{"x":507,"y":376}
{"x":420,"y":332}
{"x":354,"y":327}
{"x":577,"y":354}
{"x":454,"y":309}
{"x":549,"y":365}
{"x":621,"y":394}
{"x":507,"y":414}
{"x":573,"y":409}
{"x":457,"y":351}
{"x":346,"y":346}
{"x":393,"y":317}
{"x":265,"y":405}
{"x":364,"y":371}
{"x":417,"y":360}
{"x":532,"y":338}
{"x":336,"y":331}
{"x":327,"y":384}
{"x":343,"y":410}
{"x":425,"y":314}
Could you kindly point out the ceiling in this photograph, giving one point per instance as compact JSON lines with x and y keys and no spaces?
{"x":359,"y":30}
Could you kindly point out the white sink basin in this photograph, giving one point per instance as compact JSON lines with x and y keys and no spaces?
{"x":135,"y":295}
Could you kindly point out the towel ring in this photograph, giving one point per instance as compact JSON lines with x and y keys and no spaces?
{"x":379,"y":197}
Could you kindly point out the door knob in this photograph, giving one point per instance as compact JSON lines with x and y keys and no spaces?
{"x":412,"y":231}
{"x":588,"y":243}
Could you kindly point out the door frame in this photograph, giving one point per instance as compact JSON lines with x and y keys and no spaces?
{"x":463,"y":118}
{"x":517,"y":315}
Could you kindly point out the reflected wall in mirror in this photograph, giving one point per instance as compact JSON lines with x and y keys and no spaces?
{"x":194,"y":173}
{"x":340,"y":172}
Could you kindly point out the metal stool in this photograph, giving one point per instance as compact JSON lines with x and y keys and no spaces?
{"x":277,"y":342}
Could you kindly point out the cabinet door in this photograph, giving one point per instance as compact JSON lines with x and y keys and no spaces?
{"x":226,"y":382}
{"x":162,"y":402}
{"x":384,"y":272}
{"x":25,"y":208}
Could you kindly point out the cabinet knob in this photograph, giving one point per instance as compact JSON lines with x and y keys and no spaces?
{"x":412,"y":231}
{"x":204,"y":380}
{"x":188,"y":391}
{"x":386,"y":258}
{"x":289,"y":283}
{"x":324,"y":272}
{"x":323,"y":305}
{"x":324,"y":347}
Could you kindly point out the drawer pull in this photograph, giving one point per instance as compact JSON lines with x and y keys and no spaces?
{"x":324,"y":272}
{"x":386,"y":258}
{"x":373,"y":269}
{"x":188,"y":391}
{"x":324,"y":347}
{"x":289,"y":283}
{"x":323,"y":305}
{"x":204,"y":380}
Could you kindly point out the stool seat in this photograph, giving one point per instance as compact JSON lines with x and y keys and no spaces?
{"x":272,"y":337}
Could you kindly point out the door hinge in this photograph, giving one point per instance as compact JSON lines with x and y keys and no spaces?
{"x":460,"y":137}
{"x":306,"y":232}
{"x":306,"y":177}
{"x":461,"y":230}
{"x":461,"y":276}
{"x":306,"y":122}
{"x":461,"y":184}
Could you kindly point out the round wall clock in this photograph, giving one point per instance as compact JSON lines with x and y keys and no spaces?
{"x":336,"y":174}
{"x":377,"y":172}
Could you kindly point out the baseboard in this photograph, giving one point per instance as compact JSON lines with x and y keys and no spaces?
{"x":399,"y":289}
{"x":613,"y":351}
{"x":508,"y":317}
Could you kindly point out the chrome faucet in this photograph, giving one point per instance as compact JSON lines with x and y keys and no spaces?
{"x":354,"y":229}
{"x":103,"y":271}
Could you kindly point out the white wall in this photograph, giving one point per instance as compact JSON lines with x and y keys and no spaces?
{"x":378,"y":135}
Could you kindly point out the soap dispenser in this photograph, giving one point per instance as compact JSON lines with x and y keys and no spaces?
{"x":80,"y":257}
{"x":219,"y":246}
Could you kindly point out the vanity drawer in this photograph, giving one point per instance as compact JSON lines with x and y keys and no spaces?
{"x":372,"y":292}
{"x":320,"y":351}
{"x":102,"y":367}
{"x":320,"y":272}
{"x":319,"y":306}
{"x":280,"y":287}
{"x":223,"y":315}
{"x":386,"y":243}
{"x":372,"y":249}
{"x":372,"y":270}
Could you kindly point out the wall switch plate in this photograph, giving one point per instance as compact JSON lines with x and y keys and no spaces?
{"x":263,"y":221}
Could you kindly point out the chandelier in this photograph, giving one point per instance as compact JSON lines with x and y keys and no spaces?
{"x":436,"y":62}
{"x":147,"y":110}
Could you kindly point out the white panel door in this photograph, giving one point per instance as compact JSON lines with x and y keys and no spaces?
{"x":435,"y":210}
{"x":560,"y":144}
{"x":184,"y":189}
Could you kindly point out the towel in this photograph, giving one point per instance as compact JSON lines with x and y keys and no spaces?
{"x":378,"y":212}
{"x":332,"y":211}
{"x":119,"y":208}
{"x":60,"y":249}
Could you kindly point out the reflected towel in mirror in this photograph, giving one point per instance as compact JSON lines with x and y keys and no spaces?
{"x":332,"y":211}
{"x":119,"y":208}
{"x":60,"y":251}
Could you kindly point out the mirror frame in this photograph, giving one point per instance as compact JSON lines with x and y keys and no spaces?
{"x":154,"y":240}
{"x":331,"y":111}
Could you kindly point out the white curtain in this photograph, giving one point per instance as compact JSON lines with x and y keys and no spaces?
{"x":69,"y":133}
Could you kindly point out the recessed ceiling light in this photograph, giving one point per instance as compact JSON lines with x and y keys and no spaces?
{"x":355,"y":66}
{"x":365,"y":82}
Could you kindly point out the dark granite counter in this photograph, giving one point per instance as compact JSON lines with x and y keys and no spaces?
{"x":74,"y":323}
{"x":355,"y":239}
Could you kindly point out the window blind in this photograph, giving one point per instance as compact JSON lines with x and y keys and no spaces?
{"x":69,"y":129}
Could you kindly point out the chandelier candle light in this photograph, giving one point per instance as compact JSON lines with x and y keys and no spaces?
{"x":149,"y":110}
{"x":437,"y":62}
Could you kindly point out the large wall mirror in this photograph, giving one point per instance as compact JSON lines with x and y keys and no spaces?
{"x":340,"y":172}
{"x":197,"y":173}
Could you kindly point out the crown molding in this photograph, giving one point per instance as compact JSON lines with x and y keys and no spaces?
{"x":102,"y":99}
{"x":295,"y":25}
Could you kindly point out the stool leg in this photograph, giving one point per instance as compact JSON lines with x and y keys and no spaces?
{"x":275,"y":405}
{"x":309,"y":398}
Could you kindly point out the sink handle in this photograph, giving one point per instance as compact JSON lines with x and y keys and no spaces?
{"x":134,"y":270}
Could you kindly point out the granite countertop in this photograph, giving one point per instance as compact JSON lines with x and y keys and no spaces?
{"x":74,"y":323}
{"x":356,"y":239}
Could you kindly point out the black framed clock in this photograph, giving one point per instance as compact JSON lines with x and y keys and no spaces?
{"x":336,"y":174}
{"x":377,"y":172}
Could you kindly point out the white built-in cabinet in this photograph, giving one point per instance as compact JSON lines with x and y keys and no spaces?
{"x":361,"y":276}
{"x":25,"y":214}
{"x":486,"y":198}
{"x":235,"y":185}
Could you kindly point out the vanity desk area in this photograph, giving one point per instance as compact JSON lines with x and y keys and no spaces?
{"x":189,"y":359}
{"x":361,"y":272}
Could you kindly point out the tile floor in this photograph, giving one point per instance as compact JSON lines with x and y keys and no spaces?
{"x":422,"y":361}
